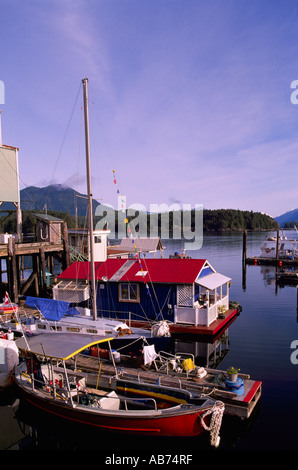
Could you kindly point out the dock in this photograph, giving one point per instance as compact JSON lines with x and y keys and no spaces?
{"x":280,"y":259}
{"x":271,"y":261}
{"x":181,"y":329}
{"x":241,"y":406}
{"x":287,"y":276}
{"x":42,"y":254}
{"x":211,"y":330}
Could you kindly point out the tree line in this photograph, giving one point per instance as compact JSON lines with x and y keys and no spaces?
{"x":213,"y":220}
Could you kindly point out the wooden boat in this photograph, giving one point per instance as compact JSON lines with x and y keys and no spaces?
{"x":179,"y":370}
{"x":115,"y":405}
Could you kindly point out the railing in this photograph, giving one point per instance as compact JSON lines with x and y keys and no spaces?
{"x":134,"y":400}
{"x":200,"y":314}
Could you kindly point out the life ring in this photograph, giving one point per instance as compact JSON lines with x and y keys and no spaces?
{"x":267,"y":250}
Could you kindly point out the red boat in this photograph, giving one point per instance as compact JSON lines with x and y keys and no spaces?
{"x":116,"y":405}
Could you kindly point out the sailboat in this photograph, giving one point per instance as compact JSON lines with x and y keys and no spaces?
{"x":61,"y":316}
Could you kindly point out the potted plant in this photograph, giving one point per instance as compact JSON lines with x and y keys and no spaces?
{"x":221,"y":311}
{"x":232,"y":373}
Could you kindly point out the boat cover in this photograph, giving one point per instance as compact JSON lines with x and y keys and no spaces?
{"x":59,"y":345}
{"x":52,"y":309}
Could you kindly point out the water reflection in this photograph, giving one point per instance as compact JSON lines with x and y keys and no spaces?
{"x":207,"y":352}
{"x":258,"y":342}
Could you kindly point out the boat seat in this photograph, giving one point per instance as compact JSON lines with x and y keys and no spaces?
{"x":110,"y":401}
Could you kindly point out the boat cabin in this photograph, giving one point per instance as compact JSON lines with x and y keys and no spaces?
{"x":178,"y":290}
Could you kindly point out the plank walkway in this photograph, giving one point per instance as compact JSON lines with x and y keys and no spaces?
{"x":213,"y":383}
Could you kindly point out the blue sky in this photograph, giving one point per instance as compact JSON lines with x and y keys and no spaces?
{"x":189,"y":101}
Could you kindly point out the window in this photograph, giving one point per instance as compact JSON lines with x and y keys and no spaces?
{"x":185,"y":295}
{"x":129,"y":292}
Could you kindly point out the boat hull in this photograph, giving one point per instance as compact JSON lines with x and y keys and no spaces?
{"x":179,"y":424}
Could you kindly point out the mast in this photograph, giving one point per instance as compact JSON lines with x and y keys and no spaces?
{"x":89,"y":193}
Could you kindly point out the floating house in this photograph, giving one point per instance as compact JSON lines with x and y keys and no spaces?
{"x":182,"y":291}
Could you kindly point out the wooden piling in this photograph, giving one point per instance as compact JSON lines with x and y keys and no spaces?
{"x":66,"y":255}
{"x":13,"y":272}
{"x":244,"y":248}
{"x":277,"y":244}
{"x":41,"y":253}
{"x":43,"y":268}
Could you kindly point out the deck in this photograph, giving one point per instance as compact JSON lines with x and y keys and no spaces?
{"x":241,"y":406}
{"x":271,"y":261}
{"x":184,"y":328}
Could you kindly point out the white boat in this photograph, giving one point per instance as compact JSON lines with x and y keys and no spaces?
{"x":287,"y":247}
{"x":57,"y":316}
{"x":8,"y":360}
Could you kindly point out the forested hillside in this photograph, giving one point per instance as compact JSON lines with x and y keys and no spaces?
{"x":231,"y":219}
{"x":213,"y":220}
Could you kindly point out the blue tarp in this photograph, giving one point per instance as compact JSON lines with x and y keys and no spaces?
{"x":52,"y":309}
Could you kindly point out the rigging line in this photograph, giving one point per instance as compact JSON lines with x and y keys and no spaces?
{"x":66,"y":131}
{"x":101,"y":126}
{"x":61,"y":148}
{"x":167,"y":298}
{"x":64,"y":138}
{"x":140,"y":305}
{"x":154,"y":292}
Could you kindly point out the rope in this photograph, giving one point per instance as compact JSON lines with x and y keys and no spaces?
{"x":217,"y":412}
{"x":127,"y":345}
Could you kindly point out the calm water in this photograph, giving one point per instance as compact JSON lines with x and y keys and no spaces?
{"x":259,"y":344}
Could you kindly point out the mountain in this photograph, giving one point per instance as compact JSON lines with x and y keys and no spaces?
{"x":287,"y":217}
{"x":57,"y":198}
{"x":62,"y":199}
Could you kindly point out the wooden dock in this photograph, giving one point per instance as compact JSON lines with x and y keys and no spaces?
{"x":271,"y":261}
{"x":42,"y":254}
{"x":210,"y":331}
{"x":287,"y":276}
{"x":277,"y":260}
{"x":241,"y":406}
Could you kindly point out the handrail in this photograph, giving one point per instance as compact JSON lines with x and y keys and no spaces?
{"x":137,"y":399}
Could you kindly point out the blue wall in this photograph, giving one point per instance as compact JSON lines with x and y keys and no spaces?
{"x":148,"y":308}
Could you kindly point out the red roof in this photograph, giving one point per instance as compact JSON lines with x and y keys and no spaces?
{"x":77,"y":270}
{"x":172,"y":270}
{"x":82,"y":269}
{"x":108,"y":268}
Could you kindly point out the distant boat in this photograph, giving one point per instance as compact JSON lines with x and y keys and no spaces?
{"x":116,"y":405}
{"x":287,"y":247}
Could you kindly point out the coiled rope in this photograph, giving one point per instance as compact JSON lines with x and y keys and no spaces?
{"x":217,"y":412}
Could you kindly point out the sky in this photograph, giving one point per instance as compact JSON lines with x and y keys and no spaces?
{"x":189,"y":102}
